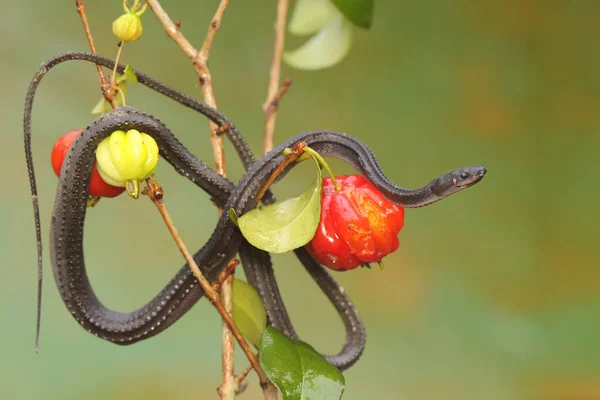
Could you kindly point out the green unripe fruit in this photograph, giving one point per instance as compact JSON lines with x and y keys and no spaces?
{"x":128,"y":27}
{"x":125,"y":159}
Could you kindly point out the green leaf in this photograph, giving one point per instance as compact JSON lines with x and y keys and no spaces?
{"x":310,"y":16}
{"x":359,"y":12}
{"x":298,"y":371}
{"x":128,"y":75}
{"x":249,"y":312}
{"x":233,"y":217}
{"x":285,"y":226}
{"x":101,"y":107}
{"x":325,"y":49}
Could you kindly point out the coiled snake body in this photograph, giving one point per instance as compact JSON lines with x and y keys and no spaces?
{"x":182,"y":292}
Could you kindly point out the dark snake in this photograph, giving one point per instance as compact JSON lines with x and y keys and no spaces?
{"x":182,"y":292}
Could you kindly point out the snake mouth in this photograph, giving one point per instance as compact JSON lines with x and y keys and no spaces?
{"x":477,"y":176}
{"x":467,"y":185}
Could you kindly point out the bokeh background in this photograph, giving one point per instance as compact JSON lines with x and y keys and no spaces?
{"x":494,"y":292}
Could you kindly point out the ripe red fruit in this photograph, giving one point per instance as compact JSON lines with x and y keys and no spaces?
{"x":98,"y":188}
{"x":358,"y":224}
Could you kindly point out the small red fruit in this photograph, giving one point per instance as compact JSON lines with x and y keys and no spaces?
{"x":358,"y":224}
{"x":98,"y":188}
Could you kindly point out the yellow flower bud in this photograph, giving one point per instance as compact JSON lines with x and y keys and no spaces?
{"x":128,"y":27}
{"x":125,"y":159}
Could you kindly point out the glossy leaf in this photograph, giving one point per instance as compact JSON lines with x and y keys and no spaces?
{"x":298,"y":371}
{"x":249,"y":312}
{"x":310,"y":16}
{"x":287,"y":225}
{"x":359,"y":12}
{"x":325,"y":49}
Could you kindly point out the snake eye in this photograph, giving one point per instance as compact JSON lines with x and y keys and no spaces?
{"x":464,"y":175}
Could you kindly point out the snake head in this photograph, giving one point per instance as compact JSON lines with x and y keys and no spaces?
{"x":457,"y":180}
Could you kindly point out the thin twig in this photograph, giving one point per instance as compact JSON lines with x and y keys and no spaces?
{"x":229,"y":387}
{"x":155,"y":193}
{"x":212,"y":31}
{"x":172,"y":29}
{"x":243,"y":375}
{"x":239,"y":380}
{"x":270,"y":106}
{"x":107,"y":90}
{"x":226,"y":273}
{"x":274,"y":104}
{"x":114,"y":73}
{"x":205,"y":79}
{"x":294,"y":153}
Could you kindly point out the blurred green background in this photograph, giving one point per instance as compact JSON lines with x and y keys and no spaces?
{"x":494,"y":292}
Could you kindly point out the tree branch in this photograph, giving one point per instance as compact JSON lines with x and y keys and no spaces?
{"x":229,"y":387}
{"x":270,"y":105}
{"x":172,"y":29}
{"x":212,"y":30}
{"x":155,"y":193}
{"x":199,"y":59}
{"x":107,"y":90}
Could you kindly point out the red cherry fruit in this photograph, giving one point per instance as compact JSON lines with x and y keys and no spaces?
{"x":358,"y":224}
{"x":98,"y":188}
